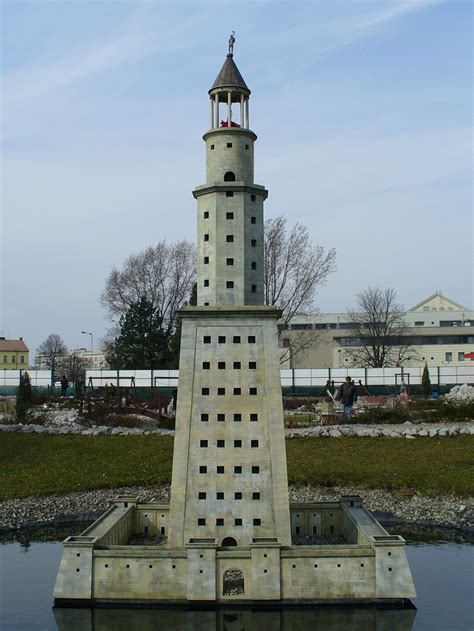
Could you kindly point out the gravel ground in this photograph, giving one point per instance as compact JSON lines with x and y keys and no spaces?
{"x":457,"y":512}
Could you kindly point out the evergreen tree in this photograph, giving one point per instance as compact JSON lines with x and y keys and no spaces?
{"x":425,"y":381}
{"x":141,"y":343}
{"x":24,"y":397}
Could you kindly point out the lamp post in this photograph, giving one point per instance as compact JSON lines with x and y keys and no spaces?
{"x":92,"y":340}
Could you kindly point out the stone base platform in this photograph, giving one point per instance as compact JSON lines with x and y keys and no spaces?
{"x":101,"y":567}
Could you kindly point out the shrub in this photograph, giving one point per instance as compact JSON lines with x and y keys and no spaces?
{"x":425,"y":381}
{"x":24,"y":397}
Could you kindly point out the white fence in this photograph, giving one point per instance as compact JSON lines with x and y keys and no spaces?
{"x":11,"y":378}
{"x":297,"y":377}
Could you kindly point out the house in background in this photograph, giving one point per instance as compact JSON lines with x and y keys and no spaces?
{"x":14,"y":354}
{"x":441,"y":332}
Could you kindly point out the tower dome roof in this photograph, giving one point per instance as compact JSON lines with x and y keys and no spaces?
{"x":229,"y":76}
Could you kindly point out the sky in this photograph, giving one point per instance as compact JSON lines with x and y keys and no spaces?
{"x":363,"y":113}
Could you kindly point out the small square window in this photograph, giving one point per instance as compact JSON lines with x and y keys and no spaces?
{"x":237,"y":443}
{"x":255,"y":469}
{"x":220,"y":391}
{"x":221,"y":365}
{"x":206,"y":237}
{"x":221,"y":339}
{"x":229,"y":193}
{"x":229,"y":261}
{"x":254,"y":289}
{"x":206,"y":282}
{"x":206,"y":260}
{"x":219,"y":521}
{"x":221,"y":443}
{"x":229,"y":145}
{"x":238,"y":469}
{"x":237,"y":417}
{"x":236,"y":339}
{"x":246,"y":147}
{"x":252,"y":365}
{"x":254,"y":417}
{"x":201,"y":521}
{"x":206,"y":365}
{"x":229,"y":238}
{"x":230,"y":284}
{"x":220,"y":469}
{"x":206,"y":339}
{"x":203,"y":443}
{"x":203,"y":469}
{"x":460,"y":357}
{"x":237,"y":521}
{"x":237,"y":495}
{"x":253,"y":391}
{"x":255,"y":496}
{"x":206,"y":214}
{"x":221,"y":417}
{"x":202,"y":496}
{"x":253,"y":219}
{"x":254,"y":265}
{"x":206,"y":304}
{"x":257,"y":522}
{"x":237,"y":365}
{"x":253,"y":243}
{"x":212,"y":147}
{"x":220,"y":495}
{"x":237,"y":391}
{"x":229,"y":215}
{"x":205,"y":391}
{"x":253,"y":198}
{"x":204,"y":418}
{"x":251,"y":339}
{"x":254,"y":443}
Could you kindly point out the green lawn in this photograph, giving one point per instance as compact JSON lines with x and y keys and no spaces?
{"x":40,"y":465}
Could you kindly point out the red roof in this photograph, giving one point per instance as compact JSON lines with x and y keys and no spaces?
{"x":13,"y":345}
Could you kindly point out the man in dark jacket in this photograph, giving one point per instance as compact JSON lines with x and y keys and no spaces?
{"x":347,"y":394}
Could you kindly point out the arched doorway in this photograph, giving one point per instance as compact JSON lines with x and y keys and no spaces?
{"x":229,"y":177}
{"x":228,"y":541}
{"x":233,"y":582}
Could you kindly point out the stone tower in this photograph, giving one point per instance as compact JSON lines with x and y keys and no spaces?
{"x":229,"y":483}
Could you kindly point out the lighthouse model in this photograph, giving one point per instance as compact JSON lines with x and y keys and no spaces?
{"x":229,"y":532}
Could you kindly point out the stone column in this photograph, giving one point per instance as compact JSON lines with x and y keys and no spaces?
{"x":212,"y":112}
{"x":247,"y":116}
{"x":242,"y":105}
{"x":229,"y":108}
{"x":216,"y":108}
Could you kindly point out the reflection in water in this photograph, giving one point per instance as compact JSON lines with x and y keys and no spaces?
{"x":328,"y":619}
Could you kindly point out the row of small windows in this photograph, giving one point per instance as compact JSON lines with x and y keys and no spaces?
{"x":229,"y":261}
{"x":229,"y":146}
{"x":253,"y":198}
{"x":230,"y":215}
{"x":220,"y":495}
{"x":221,"y":391}
{"x":235,"y":365}
{"x":230,"y":283}
{"x":14,"y":359}
{"x":237,"y":521}
{"x":236,"y":339}
{"x":220,"y":469}
{"x":221,"y":443}
{"x":230,"y":239}
{"x":237,"y":417}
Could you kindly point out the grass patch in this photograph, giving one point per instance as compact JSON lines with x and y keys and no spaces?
{"x":34,"y":465}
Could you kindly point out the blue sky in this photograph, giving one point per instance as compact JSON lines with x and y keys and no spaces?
{"x":363,"y":112}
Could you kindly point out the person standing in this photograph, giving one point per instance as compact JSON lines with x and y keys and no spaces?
{"x":64,"y":386}
{"x":347,"y":394}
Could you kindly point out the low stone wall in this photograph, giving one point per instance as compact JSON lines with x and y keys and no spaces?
{"x":405,"y":430}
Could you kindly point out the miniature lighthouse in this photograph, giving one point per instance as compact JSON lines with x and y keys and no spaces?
{"x":229,"y":483}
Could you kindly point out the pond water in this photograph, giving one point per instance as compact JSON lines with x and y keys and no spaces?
{"x":442,"y":566}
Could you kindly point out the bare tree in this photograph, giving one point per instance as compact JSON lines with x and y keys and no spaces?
{"x":163,"y":274}
{"x":380,"y":332}
{"x":294,"y":269}
{"x":52,"y":351}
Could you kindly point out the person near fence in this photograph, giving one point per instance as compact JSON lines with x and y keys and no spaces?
{"x":64,"y":386}
{"x":347,"y":395}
